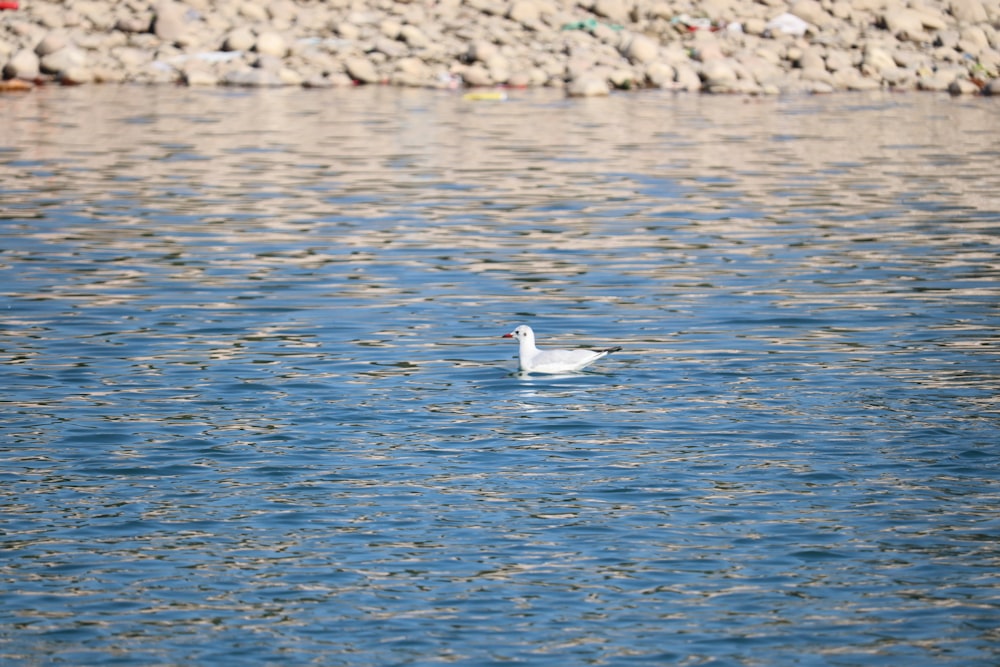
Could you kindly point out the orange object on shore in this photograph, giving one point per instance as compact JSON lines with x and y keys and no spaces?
{"x":8,"y":5}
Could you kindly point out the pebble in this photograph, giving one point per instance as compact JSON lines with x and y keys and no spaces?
{"x":586,"y":47}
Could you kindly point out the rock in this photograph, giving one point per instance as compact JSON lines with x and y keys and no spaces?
{"x":361,"y":70}
{"x":837,"y":60}
{"x":75,"y":75}
{"x":476,"y":75}
{"x":52,"y":42}
{"x":718,"y":74}
{"x":414,"y":37}
{"x":63,"y":60}
{"x":524,"y":11}
{"x":133,"y":24}
{"x":968,"y":11}
{"x":623,"y":79}
{"x":25,"y":64}
{"x":588,"y":85}
{"x":660,"y":75}
{"x":482,"y":51}
{"x":992,"y":87}
{"x":169,"y":21}
{"x":613,"y":10}
{"x":252,"y":78}
{"x":239,"y":39}
{"x":811,"y":60}
{"x":687,"y":78}
{"x":936,"y":81}
{"x":877,"y":60}
{"x":411,"y":72}
{"x":271,"y":43}
{"x":199,"y":77}
{"x":905,"y":24}
{"x":810,"y":11}
{"x":498,"y":68}
{"x":641,"y":49}
{"x":962,"y":87}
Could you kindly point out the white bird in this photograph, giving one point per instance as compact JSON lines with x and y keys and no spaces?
{"x":533,"y":360}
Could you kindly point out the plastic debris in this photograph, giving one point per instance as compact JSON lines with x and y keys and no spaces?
{"x":485,"y":96}
{"x":787,"y":24}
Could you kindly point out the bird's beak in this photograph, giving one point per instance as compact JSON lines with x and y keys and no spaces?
{"x":510,"y":335}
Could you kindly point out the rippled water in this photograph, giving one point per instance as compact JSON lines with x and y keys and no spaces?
{"x":256,"y":409}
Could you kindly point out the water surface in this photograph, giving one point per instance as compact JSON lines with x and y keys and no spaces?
{"x":257,"y":409}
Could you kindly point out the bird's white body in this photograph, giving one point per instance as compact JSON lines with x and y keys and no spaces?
{"x":533,"y":360}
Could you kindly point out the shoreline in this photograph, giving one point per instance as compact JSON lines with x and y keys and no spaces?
{"x":589,"y":48}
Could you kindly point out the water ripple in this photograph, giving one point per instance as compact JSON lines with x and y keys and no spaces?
{"x":257,"y":409}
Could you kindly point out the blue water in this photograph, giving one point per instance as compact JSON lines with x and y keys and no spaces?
{"x":257,"y":410}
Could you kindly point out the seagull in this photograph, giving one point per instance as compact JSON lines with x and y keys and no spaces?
{"x":533,"y":360}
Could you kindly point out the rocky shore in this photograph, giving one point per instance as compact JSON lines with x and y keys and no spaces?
{"x":587,"y":47}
